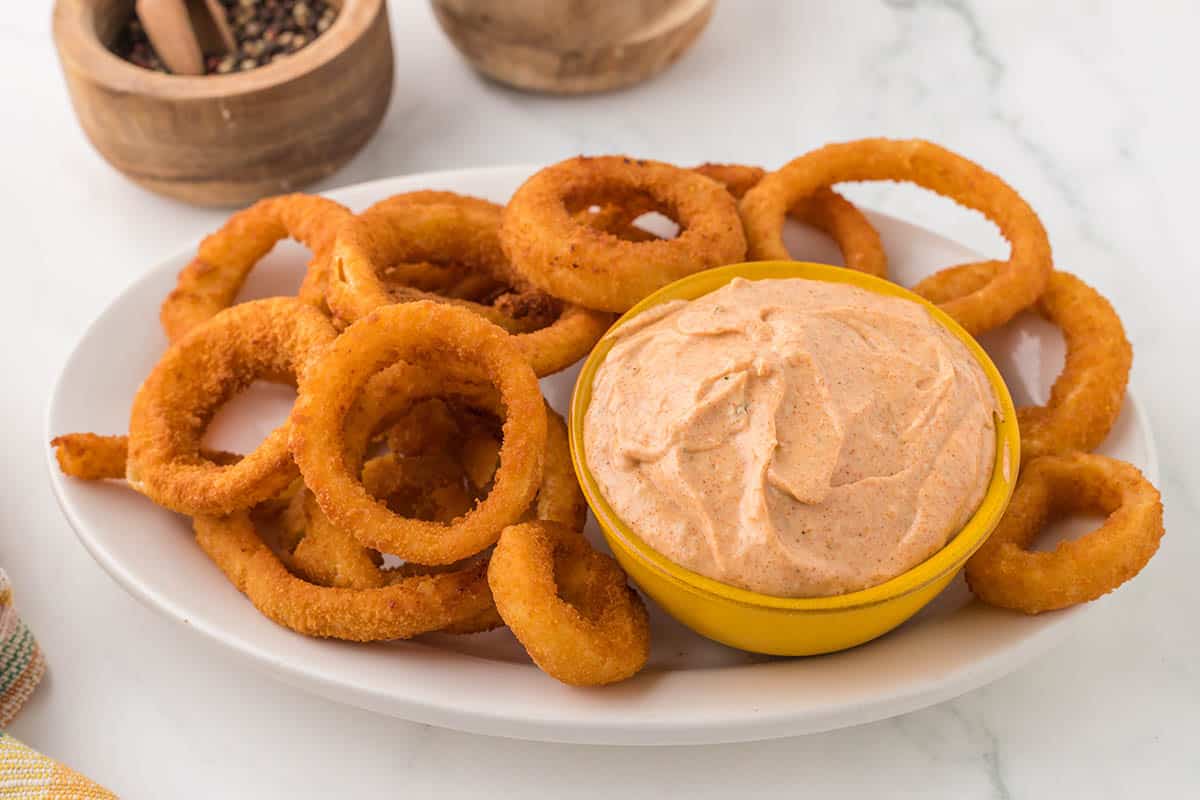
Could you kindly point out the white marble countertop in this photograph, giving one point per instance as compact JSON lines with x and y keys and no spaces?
{"x":1081,"y":105}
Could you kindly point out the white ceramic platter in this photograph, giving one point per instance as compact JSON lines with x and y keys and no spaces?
{"x":694,"y":691}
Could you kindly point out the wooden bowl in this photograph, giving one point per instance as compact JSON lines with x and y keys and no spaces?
{"x":222,"y":140}
{"x":572,"y":46}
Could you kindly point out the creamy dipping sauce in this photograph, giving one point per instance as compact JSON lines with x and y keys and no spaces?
{"x":792,"y":437}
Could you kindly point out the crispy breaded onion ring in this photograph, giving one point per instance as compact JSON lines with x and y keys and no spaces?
{"x":90,"y":456}
{"x":454,"y":280}
{"x":93,"y":457}
{"x":559,"y":498}
{"x":409,"y":606}
{"x":401,"y":230}
{"x":1005,"y":573}
{"x":274,"y":339}
{"x":212,"y":280}
{"x":328,"y":556}
{"x":397,"y":232}
{"x":1086,"y":397}
{"x":429,"y":336}
{"x":825,"y":210}
{"x":568,"y":605}
{"x":1013,"y":288}
{"x":553,"y":250}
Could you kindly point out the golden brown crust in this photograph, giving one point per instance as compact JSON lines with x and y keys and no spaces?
{"x":93,"y":457}
{"x":825,"y":210}
{"x":211,"y":282}
{"x":1015,"y":286}
{"x":400,"y":610}
{"x":460,"y":232}
{"x":273,"y":339}
{"x":1087,"y":395}
{"x":1004,"y":572}
{"x":568,"y":605}
{"x":551,"y":249}
{"x":432,"y":337}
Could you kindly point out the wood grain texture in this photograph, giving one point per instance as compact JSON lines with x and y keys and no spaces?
{"x":168,"y":26}
{"x":572,"y":46}
{"x":225,"y":140}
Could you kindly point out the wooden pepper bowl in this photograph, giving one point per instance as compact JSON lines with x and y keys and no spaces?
{"x":572,"y":47}
{"x":224,"y":140}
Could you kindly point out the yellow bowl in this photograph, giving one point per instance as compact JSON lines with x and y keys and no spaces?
{"x":786,"y":625}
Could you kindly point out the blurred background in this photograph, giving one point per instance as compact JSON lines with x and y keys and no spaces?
{"x":1086,"y":108}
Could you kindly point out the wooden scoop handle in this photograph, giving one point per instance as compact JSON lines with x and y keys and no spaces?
{"x":169,"y":29}
{"x":216,"y":17}
{"x":178,"y":28}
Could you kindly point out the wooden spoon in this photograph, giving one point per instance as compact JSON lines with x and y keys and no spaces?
{"x":178,"y":28}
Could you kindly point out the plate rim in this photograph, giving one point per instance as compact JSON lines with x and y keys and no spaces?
{"x":766,"y":724}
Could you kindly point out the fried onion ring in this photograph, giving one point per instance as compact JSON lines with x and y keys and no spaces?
{"x":825,"y":210}
{"x":396,"y":232}
{"x":429,"y":336}
{"x":212,"y":280}
{"x":1086,"y":397}
{"x":1013,"y":288}
{"x":273,"y":339}
{"x":327,"y":556}
{"x":402,"y":609}
{"x":569,"y":606}
{"x":551,"y":249}
{"x":392,"y":398}
{"x":559,"y":498}
{"x":93,"y":457}
{"x":1005,"y":573}
{"x":461,"y":281}
{"x":464,"y":233}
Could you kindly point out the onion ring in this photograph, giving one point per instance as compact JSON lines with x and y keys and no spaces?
{"x":462,"y":281}
{"x":826,"y":210}
{"x":428,"y":335}
{"x":325,"y":555}
{"x":94,"y":457}
{"x":90,"y":456}
{"x":1014,"y":287}
{"x":568,"y":605}
{"x":1005,"y":573}
{"x":408,"y":606}
{"x":337,"y":558}
{"x":1087,"y":396}
{"x":275,"y":339}
{"x":465,"y":232}
{"x":551,"y":249}
{"x":402,"y":231}
{"x":559,"y":498}
{"x":212,"y":280}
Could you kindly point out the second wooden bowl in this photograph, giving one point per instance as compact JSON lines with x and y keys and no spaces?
{"x":572,"y":46}
{"x":224,"y":140}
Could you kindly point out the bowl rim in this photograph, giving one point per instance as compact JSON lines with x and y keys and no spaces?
{"x":79,"y":47}
{"x":949,"y":558}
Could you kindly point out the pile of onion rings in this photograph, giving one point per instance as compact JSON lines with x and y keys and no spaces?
{"x":420,"y":432}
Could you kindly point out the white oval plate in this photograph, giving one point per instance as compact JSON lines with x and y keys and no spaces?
{"x":694,"y":691}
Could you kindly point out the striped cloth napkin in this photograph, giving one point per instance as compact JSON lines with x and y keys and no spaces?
{"x":26,"y":774}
